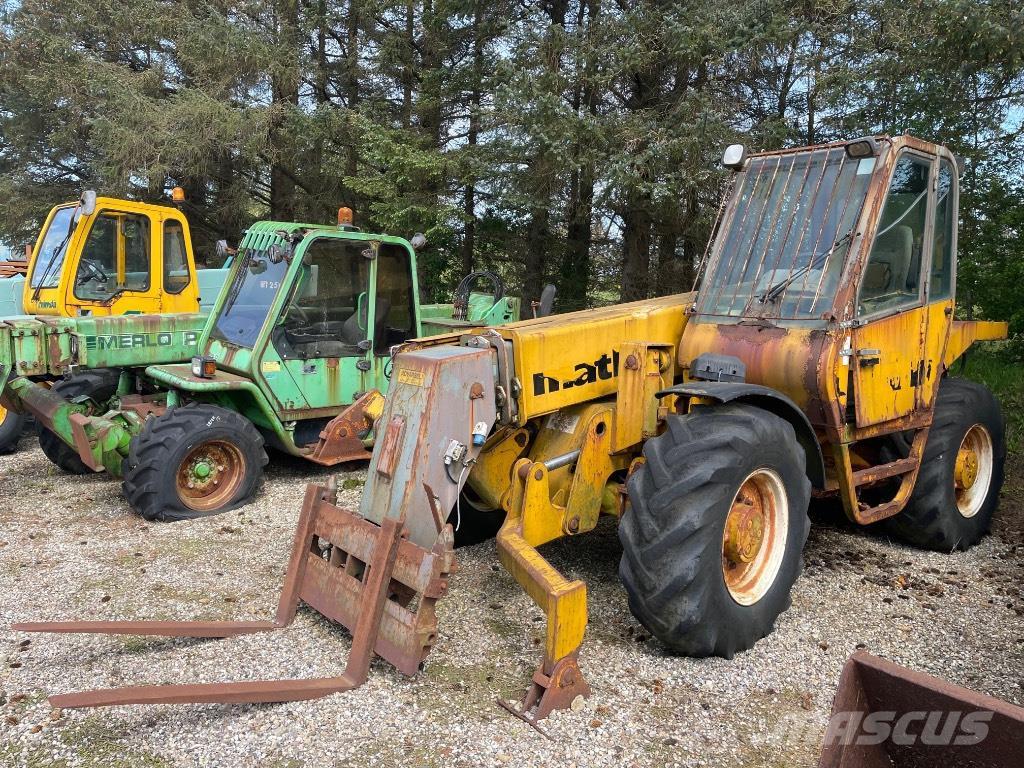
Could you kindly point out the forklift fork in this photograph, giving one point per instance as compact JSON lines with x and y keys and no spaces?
{"x":370,"y":578}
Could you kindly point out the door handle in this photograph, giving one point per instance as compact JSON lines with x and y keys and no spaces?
{"x":869,"y":357}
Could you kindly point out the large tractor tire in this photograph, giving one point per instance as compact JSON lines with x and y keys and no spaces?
{"x":11,"y":426}
{"x":99,"y":386}
{"x":961,"y":472}
{"x":473,"y":520}
{"x":713,"y":539}
{"x":193,"y":461}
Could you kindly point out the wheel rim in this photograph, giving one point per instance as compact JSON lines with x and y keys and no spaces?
{"x":754,"y":540}
{"x":3,"y":414}
{"x":972,"y":473}
{"x":209,"y":475}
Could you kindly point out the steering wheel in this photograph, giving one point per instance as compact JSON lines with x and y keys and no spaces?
{"x":93,"y":272}
{"x":299,"y":313}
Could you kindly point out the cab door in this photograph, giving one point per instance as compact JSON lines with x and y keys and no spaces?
{"x":395,"y":312}
{"x":322,"y":341}
{"x":888,"y":345}
{"x":113,"y":273}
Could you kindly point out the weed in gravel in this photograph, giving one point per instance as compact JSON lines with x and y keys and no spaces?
{"x":96,"y":743}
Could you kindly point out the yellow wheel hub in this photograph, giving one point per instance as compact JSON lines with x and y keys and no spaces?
{"x":3,"y":414}
{"x":754,"y":539}
{"x":973,"y":471}
{"x":744,"y":529}
{"x":966,"y":472}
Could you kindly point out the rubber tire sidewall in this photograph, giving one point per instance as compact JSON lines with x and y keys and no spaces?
{"x":155,"y":454}
{"x":931,"y":520}
{"x":11,"y":429}
{"x":672,"y":532}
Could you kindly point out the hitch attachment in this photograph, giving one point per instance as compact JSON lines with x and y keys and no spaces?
{"x":370,"y":578}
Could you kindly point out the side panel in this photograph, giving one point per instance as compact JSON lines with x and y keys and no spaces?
{"x":210,"y":281}
{"x":136,"y":340}
{"x":567,"y":359}
{"x":11,"y":292}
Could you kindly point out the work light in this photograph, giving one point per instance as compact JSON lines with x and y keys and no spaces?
{"x":203,"y":367}
{"x":734,"y":157}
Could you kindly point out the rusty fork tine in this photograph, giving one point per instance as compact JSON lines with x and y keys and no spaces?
{"x":160,"y":628}
{"x":248,"y":692}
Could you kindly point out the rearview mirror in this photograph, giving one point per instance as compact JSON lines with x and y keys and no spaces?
{"x":89,"y":202}
{"x":86,"y":204}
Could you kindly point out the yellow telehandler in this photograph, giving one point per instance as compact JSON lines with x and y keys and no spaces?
{"x":813,"y":361}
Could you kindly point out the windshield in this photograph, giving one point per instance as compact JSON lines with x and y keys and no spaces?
{"x":46,"y":272}
{"x":253,"y":289}
{"x":780,"y":251}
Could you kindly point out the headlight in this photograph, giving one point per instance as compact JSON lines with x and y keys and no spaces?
{"x":203,"y":367}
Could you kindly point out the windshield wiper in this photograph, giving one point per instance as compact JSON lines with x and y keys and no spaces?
{"x":774,"y":290}
{"x":58,"y":251}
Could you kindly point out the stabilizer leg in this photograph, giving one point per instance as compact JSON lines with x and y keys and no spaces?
{"x":558,"y":680}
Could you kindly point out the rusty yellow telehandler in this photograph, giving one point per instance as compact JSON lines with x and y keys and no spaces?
{"x":813,"y":360}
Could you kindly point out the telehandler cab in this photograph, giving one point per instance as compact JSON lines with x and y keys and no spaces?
{"x":104,"y":256}
{"x":295,"y":354}
{"x":814,"y":360}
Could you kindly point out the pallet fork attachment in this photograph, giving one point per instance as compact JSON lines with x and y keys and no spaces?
{"x":370,"y":578}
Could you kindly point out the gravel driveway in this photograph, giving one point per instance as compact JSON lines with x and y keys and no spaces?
{"x":69,"y":548}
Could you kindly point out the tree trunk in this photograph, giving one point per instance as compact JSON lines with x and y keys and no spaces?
{"x":352,"y":83}
{"x":472,"y":136}
{"x":574,"y":279}
{"x":408,"y":71}
{"x":636,"y":248}
{"x":542,"y":170}
{"x":575,"y":273}
{"x":286,"y":96}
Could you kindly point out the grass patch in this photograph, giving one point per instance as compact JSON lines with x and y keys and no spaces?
{"x":1002,"y":371}
{"x":352,"y":483}
{"x":97,"y":743}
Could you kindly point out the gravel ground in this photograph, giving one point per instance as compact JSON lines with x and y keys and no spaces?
{"x":69,"y":548}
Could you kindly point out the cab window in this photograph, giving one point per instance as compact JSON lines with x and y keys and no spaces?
{"x":892,"y":276}
{"x":115,"y":257}
{"x":394,"y":291}
{"x":176,"y":274}
{"x":327,"y":315}
{"x":943,"y":255}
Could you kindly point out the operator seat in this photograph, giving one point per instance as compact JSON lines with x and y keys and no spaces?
{"x":352,"y":333}
{"x":889,"y":266}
